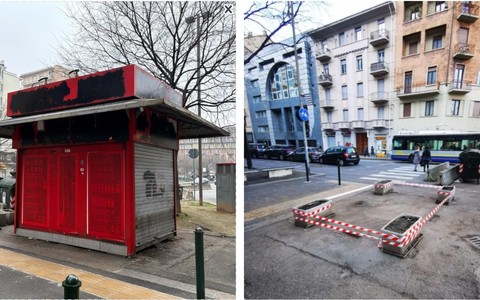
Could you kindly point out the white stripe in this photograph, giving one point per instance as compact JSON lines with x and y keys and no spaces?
{"x":390,"y":176}
{"x":401,"y":174}
{"x":370,"y":178}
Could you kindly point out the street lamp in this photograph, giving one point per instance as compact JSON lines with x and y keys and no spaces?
{"x":190,"y":20}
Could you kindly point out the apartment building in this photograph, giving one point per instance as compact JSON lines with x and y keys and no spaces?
{"x":44,"y":76}
{"x":437,"y":66}
{"x":355,"y":62}
{"x":9,"y":82}
{"x":274,"y":96}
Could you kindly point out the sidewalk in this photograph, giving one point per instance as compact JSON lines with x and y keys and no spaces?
{"x":166,"y":270}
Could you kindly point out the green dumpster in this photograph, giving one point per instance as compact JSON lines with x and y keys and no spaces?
{"x":7,"y":192}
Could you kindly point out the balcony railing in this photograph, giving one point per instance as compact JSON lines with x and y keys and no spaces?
{"x":379,"y":69}
{"x":327,"y":104}
{"x":379,"y":37}
{"x":409,"y":92}
{"x":463,"y":51}
{"x":328,"y":126}
{"x":325,"y":80}
{"x":343,"y":125}
{"x":379,"y":98}
{"x":358,"y":124}
{"x":323,"y":54}
{"x":379,"y":123}
{"x":459,"y":87}
{"x":467,"y":12}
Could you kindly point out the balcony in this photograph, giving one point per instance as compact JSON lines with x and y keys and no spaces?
{"x":358,"y":124}
{"x":328,"y":126}
{"x":463,"y":51}
{"x":325,"y":80}
{"x":323,"y":54}
{"x":327,"y":104}
{"x":467,"y":12}
{"x":343,"y":125}
{"x":379,"y":69}
{"x":379,"y":98}
{"x":379,"y":123}
{"x":459,"y":87}
{"x":379,"y":37}
{"x":413,"y":93}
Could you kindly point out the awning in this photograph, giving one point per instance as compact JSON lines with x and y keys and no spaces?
{"x":190,"y":125}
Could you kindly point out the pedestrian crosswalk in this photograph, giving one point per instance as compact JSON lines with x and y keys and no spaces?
{"x":403,"y":173}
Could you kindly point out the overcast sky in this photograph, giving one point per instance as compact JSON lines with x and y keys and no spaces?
{"x":28,"y":33}
{"x":29,"y":30}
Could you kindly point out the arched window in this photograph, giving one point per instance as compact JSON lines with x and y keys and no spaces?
{"x":283,"y":83}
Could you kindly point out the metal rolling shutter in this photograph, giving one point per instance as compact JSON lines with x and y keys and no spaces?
{"x":154,"y":192}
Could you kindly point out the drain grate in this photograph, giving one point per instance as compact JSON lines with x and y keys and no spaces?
{"x":475,"y":241}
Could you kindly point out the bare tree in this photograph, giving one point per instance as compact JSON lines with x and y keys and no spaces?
{"x":274,"y":16}
{"x":156,"y":36}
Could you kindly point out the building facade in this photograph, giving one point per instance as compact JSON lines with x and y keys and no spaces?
{"x":437,"y":66}
{"x":355,"y":58}
{"x":272,"y":93}
{"x":51,"y":74}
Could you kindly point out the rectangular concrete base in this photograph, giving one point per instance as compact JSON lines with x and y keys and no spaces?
{"x":312,"y":207}
{"x":408,"y":250}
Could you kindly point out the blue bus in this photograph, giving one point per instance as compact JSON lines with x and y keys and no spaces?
{"x":443,"y":146}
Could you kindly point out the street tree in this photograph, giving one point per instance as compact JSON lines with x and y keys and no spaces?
{"x":162,"y":38}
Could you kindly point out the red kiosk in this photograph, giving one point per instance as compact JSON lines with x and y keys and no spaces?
{"x":96,"y":159}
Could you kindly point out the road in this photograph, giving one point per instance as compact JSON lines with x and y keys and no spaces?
{"x":286,"y":261}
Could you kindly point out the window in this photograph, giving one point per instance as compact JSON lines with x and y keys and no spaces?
{"x":343,"y":63}
{"x":437,"y":42}
{"x":432,"y":75}
{"x":359,"y":89}
{"x":327,"y":94}
{"x":455,"y":111}
{"x":360,"y":114}
{"x":341,"y":39}
{"x":345,"y":114}
{"x":329,"y":116}
{"x":407,"y":109}
{"x":255,"y":83}
{"x":413,"y":48}
{"x":476,"y":109}
{"x":439,"y":6}
{"x":359,"y":63}
{"x":478,"y":77}
{"x":381,"y":55}
{"x":381,"y":112}
{"x":381,"y":25}
{"x":344,"y":92}
{"x":263,"y":128}
{"x":260,"y":114}
{"x":284,"y":83}
{"x":408,"y":82}
{"x":428,"y":108}
{"x":358,"y":33}
{"x":257,"y":99}
{"x":326,"y":69}
{"x":289,"y":120}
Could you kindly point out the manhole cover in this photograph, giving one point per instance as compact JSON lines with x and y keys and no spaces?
{"x":475,"y":241}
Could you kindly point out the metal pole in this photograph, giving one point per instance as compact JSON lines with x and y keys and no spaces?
{"x":200,"y":168}
{"x":199,"y":263}
{"x":305,"y":142}
{"x":339,"y":177}
{"x":193,"y":179}
{"x":71,"y":287}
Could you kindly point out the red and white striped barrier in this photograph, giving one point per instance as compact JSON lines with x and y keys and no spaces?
{"x":460,"y":168}
{"x":300,"y":212}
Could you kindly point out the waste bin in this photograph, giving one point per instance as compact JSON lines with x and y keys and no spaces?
{"x":7,"y":191}
{"x":469,"y":165}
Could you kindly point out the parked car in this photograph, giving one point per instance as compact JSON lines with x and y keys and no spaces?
{"x":346,"y":155}
{"x":204,"y":180}
{"x":256,"y":150}
{"x":299,"y":154}
{"x":278,"y":151}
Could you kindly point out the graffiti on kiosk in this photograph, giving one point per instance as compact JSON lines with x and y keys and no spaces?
{"x":153,"y":189}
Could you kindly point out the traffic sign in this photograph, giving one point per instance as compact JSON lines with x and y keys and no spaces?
{"x":303,"y":114}
{"x":193,"y":153}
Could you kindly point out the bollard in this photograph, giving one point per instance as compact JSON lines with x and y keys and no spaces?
{"x":339,"y":178}
{"x":199,"y":263}
{"x":71,"y":287}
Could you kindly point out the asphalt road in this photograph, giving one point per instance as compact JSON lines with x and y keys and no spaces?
{"x":285,"y":261}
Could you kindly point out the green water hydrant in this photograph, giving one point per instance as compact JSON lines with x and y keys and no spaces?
{"x":71,"y":287}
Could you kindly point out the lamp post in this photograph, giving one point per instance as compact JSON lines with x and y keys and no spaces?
{"x":191,"y":20}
